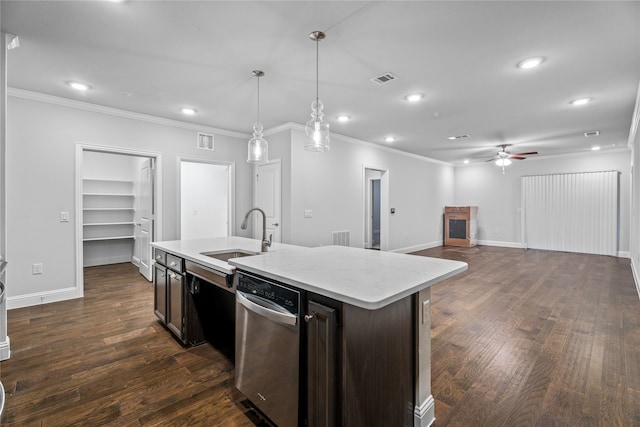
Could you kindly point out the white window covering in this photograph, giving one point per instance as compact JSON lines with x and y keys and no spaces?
{"x":575,"y":212}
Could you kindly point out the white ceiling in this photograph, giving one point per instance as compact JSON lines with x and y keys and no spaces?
{"x":154,"y":57}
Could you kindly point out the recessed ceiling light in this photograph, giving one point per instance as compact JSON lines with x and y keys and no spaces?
{"x":466,"y":135}
{"x":530,"y":63}
{"x":581,"y":101}
{"x":414,"y":97}
{"x":591,"y":133}
{"x":595,"y":148}
{"x":79,"y":86}
{"x":343,"y":118}
{"x":188,"y":111}
{"x":466,"y":161}
{"x":390,"y":139}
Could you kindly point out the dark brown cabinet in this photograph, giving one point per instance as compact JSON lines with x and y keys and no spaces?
{"x":322,"y":353}
{"x":360,"y":364}
{"x":173,"y":300}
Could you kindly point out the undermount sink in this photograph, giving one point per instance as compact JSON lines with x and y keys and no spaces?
{"x":227,"y":255}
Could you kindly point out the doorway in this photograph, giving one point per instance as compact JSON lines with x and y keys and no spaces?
{"x":376,"y":208}
{"x":268,"y":197}
{"x":206,"y":193}
{"x":117,"y":207}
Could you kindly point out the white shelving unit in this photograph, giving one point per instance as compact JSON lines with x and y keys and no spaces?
{"x":107,"y":220}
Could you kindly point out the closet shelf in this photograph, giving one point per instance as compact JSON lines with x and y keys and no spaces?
{"x":109,"y":209}
{"x":99,"y":239}
{"x":109,"y":195}
{"x":86,"y":224}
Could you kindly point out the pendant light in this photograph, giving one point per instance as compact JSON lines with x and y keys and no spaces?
{"x":258,"y":147}
{"x":317,"y":129}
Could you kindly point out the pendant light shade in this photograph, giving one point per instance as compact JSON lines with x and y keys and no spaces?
{"x":258,"y":147}
{"x":317,"y":129}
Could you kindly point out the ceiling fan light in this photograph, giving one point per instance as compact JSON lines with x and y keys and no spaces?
{"x":503,"y":162}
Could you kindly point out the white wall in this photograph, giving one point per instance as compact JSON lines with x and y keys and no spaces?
{"x":498,"y":196}
{"x":332,"y":185}
{"x":41,"y":146}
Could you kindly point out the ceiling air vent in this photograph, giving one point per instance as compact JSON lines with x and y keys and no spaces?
{"x":205,"y":141}
{"x":385,"y":78}
{"x":592,"y":133}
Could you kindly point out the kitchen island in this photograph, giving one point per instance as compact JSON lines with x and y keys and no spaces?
{"x":366,"y":340}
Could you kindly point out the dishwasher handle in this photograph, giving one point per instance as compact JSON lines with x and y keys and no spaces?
{"x":266,"y":309}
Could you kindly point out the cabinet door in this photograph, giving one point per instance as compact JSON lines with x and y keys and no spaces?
{"x":321,"y":365}
{"x":160,"y":293}
{"x":175,"y":309}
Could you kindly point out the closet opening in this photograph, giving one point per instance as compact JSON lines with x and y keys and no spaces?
{"x":117,"y":209}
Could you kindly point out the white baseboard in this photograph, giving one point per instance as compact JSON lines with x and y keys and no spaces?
{"x":116,"y":259}
{"x":424,"y":415}
{"x":636,"y":276}
{"x":417,"y":248}
{"x":624,"y":254}
{"x":516,"y":245}
{"x":42,"y":298}
{"x":5,"y":351}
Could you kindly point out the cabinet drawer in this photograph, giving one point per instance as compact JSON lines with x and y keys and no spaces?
{"x":175,"y":263}
{"x":160,"y":256}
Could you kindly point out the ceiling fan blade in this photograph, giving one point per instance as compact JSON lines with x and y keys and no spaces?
{"x":491,"y":159}
{"x":530,"y":153}
{"x":513,"y":156}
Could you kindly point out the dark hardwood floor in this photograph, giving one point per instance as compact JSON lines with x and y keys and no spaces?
{"x":535,"y":338}
{"x":523,"y":338}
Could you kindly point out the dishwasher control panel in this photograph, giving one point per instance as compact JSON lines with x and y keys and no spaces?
{"x":280,"y":294}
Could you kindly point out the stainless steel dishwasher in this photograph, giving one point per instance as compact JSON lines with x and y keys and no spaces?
{"x":268,"y":347}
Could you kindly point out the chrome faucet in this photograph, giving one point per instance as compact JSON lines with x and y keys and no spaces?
{"x":265,"y":243}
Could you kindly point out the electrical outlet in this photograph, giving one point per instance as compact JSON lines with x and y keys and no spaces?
{"x":36,"y":268}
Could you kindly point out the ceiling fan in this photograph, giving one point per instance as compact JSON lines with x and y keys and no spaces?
{"x":503,"y":157}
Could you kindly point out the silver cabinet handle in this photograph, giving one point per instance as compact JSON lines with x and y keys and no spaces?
{"x":275,"y":224}
{"x":309,"y":317}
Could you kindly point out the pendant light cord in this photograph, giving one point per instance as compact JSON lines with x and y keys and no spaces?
{"x":258,"y":99}
{"x":317,"y":73}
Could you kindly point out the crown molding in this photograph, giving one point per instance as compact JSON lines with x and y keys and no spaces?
{"x":350,"y":140}
{"x":95,"y":108}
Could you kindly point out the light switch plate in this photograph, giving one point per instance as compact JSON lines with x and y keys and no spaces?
{"x":308,"y":213}
{"x":64,"y":216}
{"x":36,"y":268}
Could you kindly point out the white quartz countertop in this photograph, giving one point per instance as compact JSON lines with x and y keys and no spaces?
{"x":364,"y":278}
{"x":194,"y":249}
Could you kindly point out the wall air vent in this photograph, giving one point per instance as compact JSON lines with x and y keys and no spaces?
{"x":340,"y":238}
{"x":205,"y":141}
{"x":592,"y":133}
{"x":385,"y":78}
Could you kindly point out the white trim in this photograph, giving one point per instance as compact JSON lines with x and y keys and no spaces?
{"x":95,"y":108}
{"x":515,"y":245}
{"x":624,"y":254}
{"x":385,"y":216}
{"x":424,"y":415}
{"x":636,"y":276}
{"x":417,"y":248}
{"x":47,"y":297}
{"x":351,"y":140}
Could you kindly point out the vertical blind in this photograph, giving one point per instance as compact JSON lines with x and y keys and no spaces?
{"x":576,"y":212}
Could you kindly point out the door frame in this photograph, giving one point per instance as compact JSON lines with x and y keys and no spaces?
{"x":231,"y":190}
{"x":157,"y":198}
{"x":384,"y":204}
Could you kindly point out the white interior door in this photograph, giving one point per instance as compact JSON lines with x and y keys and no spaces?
{"x":145,"y":217}
{"x":268,"y":198}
